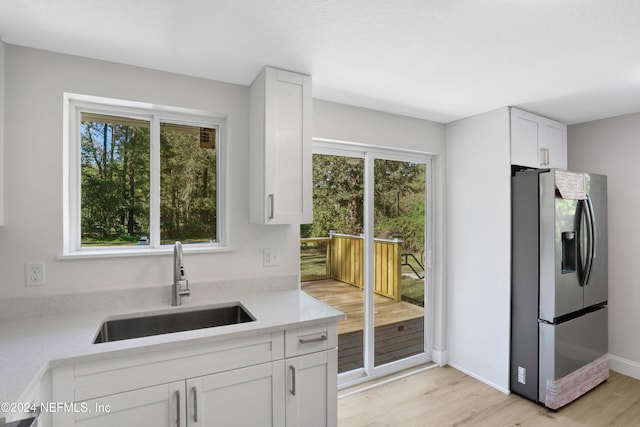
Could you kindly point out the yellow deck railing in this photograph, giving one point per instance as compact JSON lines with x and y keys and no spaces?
{"x":345,"y":262}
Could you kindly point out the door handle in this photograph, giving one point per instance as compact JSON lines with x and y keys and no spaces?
{"x":177,"y":394}
{"x":194,"y":390}
{"x":586,"y":236}
{"x":544,"y":156}
{"x":271,"y":206}
{"x":292,"y":390}
{"x":591,"y":239}
{"x":593,"y":227}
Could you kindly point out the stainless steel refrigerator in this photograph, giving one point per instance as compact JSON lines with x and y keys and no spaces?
{"x":559,"y":342}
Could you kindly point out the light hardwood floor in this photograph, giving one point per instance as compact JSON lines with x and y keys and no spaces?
{"x":446,"y":397}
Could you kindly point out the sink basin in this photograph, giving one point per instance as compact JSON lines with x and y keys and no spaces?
{"x":166,"y":323}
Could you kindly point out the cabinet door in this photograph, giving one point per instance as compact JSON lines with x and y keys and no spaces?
{"x":243,"y":397}
{"x":280,"y":148}
{"x":288,"y":147}
{"x":525,"y":135}
{"x":151,"y":406}
{"x":312,"y":389}
{"x":537,"y":142}
{"x":554,"y":140}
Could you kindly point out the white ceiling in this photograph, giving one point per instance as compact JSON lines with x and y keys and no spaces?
{"x":572,"y":60}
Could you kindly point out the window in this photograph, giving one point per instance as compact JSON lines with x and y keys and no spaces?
{"x":141,"y":177}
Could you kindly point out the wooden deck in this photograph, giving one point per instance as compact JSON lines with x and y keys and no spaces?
{"x":350,"y":300}
{"x":399,"y":326}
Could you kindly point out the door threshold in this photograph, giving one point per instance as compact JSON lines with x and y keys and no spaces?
{"x":376,"y":382}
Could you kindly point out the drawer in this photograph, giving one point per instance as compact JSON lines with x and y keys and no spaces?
{"x":311,"y":339}
{"x":104,"y":377}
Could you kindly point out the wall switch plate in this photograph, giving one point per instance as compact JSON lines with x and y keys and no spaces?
{"x":34,"y":274}
{"x":271,"y":257}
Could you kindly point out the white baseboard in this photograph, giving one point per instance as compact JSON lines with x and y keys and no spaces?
{"x":483,"y":380}
{"x":624,"y":366}
{"x":440,"y":357}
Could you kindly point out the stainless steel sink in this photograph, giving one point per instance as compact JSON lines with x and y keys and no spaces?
{"x":158,"y":324}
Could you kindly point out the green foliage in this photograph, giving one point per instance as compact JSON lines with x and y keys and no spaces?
{"x":399,"y":193}
{"x":338,"y":196}
{"x":409,"y":225}
{"x":115,"y":195}
{"x":338,"y":204}
{"x":412,"y":290}
{"x":115,"y":181}
{"x":187,"y":187}
{"x":338,"y":199}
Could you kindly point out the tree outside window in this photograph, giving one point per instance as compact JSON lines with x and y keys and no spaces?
{"x":117,"y":181}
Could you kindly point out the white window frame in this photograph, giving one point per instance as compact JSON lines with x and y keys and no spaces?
{"x":74,"y":105}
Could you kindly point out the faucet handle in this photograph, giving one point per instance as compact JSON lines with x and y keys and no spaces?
{"x":185,"y":292}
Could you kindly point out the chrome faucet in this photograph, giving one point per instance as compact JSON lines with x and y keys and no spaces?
{"x":177,"y":292}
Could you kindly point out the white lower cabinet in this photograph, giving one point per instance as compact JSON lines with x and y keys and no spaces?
{"x":240,"y":382}
{"x":312,"y":384}
{"x":249,"y":396}
{"x":244,"y":397}
{"x":150,"y":406}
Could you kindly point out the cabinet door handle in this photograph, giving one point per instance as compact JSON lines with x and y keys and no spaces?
{"x":177,"y":393}
{"x":310,"y":340}
{"x":271,"y":207}
{"x":292,"y":390}
{"x":194,"y":390}
{"x":544,"y":156}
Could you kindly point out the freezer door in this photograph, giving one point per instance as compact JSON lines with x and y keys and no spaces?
{"x":596,"y":289}
{"x":569,"y":346}
{"x":560,"y":289}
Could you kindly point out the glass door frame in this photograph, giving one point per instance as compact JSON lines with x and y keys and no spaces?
{"x":369,"y":153}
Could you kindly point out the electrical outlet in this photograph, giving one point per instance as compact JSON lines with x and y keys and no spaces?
{"x":34,"y":274}
{"x":271,"y":257}
{"x":522,"y":375}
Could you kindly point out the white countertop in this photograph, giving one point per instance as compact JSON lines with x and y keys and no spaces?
{"x":31,"y":345}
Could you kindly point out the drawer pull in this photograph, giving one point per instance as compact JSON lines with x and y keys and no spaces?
{"x":310,"y":340}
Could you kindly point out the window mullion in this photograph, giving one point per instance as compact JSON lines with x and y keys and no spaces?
{"x":154,"y":179}
{"x":74,"y":179}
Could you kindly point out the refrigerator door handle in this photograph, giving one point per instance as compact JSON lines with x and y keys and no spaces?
{"x":593,"y":228}
{"x":591,"y":238}
{"x":589,"y":233}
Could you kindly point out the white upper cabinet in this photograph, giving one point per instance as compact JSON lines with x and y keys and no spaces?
{"x":280,"y":148}
{"x":537,"y":142}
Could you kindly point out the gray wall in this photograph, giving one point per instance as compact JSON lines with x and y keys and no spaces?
{"x":612,"y":147}
{"x":35,"y":82}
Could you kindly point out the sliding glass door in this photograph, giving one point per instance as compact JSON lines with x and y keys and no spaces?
{"x":398,"y":251}
{"x":364,"y":254}
{"x":332,"y":249}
